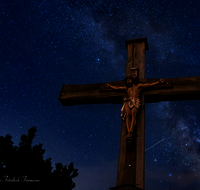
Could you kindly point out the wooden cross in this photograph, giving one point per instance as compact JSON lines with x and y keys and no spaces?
{"x":130,"y":174}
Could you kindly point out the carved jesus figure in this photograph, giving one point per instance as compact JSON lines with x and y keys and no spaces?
{"x":132,"y":103}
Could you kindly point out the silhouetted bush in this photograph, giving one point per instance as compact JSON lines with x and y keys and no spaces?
{"x":24,"y":167}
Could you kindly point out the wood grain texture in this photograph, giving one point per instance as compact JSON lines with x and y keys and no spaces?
{"x":185,"y":88}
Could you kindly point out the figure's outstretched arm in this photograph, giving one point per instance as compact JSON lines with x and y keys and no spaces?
{"x":115,"y":87}
{"x":152,"y":84}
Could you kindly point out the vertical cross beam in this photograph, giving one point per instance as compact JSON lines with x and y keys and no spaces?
{"x":130,"y":174}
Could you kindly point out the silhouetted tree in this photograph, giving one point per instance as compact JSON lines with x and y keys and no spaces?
{"x":26,"y":162}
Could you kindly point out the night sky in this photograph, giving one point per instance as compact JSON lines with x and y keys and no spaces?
{"x":47,"y":43}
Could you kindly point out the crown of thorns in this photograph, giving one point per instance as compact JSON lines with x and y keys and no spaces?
{"x":128,"y":77}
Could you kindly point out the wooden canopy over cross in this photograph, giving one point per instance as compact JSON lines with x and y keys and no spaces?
{"x":130,"y":174}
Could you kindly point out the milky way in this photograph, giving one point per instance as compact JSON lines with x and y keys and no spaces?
{"x":45,"y":44}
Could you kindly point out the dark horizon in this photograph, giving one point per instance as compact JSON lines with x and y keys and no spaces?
{"x":45,"y":44}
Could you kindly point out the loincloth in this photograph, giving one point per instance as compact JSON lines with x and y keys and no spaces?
{"x":131,"y":103}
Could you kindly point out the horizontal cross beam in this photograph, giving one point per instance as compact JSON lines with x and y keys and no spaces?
{"x":185,"y":88}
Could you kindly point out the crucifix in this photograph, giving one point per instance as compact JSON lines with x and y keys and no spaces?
{"x":130,"y":173}
{"x":132,"y":102}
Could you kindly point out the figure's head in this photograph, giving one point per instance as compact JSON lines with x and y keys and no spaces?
{"x":129,"y":81}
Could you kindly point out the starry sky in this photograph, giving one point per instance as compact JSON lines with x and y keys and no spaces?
{"x":47,"y":43}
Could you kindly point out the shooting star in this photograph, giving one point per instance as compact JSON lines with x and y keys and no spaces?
{"x":155,"y":144}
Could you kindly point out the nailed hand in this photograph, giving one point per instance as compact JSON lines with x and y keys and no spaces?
{"x":107,"y":85}
{"x":162,"y":80}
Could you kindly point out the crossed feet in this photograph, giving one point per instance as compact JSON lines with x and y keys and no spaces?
{"x":129,"y":135}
